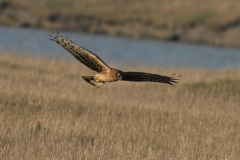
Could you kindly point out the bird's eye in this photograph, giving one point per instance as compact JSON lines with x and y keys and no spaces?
{"x":118,"y":75}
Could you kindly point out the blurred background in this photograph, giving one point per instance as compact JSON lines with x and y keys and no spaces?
{"x":127,"y":32}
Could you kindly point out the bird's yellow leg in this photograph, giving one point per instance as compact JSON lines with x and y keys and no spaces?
{"x":96,"y":78}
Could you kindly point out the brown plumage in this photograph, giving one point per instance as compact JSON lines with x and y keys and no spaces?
{"x":105,"y":73}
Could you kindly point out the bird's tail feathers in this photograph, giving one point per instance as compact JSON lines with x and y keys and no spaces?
{"x":91,"y":80}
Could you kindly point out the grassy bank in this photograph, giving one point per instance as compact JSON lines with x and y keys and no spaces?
{"x":172,"y":13}
{"x":205,"y":21}
{"x":48,"y":111}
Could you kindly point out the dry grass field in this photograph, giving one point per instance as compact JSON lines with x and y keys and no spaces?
{"x":48,"y":112}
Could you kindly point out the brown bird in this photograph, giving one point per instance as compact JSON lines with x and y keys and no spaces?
{"x":105,"y":73}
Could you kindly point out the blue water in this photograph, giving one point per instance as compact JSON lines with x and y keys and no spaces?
{"x":123,"y":51}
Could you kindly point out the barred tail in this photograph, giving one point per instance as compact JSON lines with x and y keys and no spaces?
{"x":90,"y":80}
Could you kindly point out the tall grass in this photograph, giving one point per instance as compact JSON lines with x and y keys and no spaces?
{"x":48,"y":112}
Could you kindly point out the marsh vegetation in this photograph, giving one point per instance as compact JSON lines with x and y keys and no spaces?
{"x":48,"y":111}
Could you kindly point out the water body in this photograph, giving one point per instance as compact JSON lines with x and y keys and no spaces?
{"x":123,"y":51}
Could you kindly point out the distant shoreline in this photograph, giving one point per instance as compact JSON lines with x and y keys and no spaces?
{"x":227,"y":35}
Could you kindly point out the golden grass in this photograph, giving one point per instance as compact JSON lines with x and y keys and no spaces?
{"x":173,"y":13}
{"x":48,"y":112}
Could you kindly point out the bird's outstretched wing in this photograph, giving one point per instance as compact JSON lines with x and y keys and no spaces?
{"x":140,"y":76}
{"x":84,"y":56}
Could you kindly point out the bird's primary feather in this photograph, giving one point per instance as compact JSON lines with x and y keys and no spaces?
{"x":147,"y":77}
{"x":83,"y":55}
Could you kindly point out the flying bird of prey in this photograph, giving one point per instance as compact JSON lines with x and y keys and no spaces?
{"x":105,"y":73}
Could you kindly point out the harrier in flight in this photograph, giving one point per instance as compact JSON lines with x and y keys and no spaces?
{"x":105,"y":73}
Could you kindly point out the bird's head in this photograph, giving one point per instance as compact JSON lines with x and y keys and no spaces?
{"x":118,"y":74}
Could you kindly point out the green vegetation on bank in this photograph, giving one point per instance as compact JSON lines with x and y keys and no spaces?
{"x":206,"y":21}
{"x":170,"y":13}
